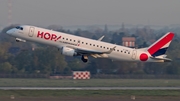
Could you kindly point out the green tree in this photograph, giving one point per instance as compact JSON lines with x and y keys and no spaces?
{"x":6,"y":68}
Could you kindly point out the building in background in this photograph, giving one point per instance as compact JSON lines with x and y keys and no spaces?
{"x":128,"y":42}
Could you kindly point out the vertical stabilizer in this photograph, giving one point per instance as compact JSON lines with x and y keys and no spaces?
{"x":160,"y":46}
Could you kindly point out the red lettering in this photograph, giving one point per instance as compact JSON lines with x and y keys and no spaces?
{"x":40,"y":34}
{"x":47,"y":36}
{"x":53,"y":36}
{"x":58,"y":38}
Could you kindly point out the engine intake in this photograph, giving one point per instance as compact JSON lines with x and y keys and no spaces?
{"x":68,"y":51}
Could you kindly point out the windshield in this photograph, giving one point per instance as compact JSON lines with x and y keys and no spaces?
{"x":19,"y":27}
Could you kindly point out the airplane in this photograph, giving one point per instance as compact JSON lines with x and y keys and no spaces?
{"x":71,"y":45}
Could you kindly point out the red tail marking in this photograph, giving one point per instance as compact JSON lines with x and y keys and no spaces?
{"x":161,"y":43}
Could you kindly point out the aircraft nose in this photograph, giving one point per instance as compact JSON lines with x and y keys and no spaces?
{"x":10,"y":31}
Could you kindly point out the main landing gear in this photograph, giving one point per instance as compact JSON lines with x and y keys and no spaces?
{"x":84,"y":58}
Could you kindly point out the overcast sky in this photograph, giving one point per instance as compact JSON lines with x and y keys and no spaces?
{"x":90,"y":12}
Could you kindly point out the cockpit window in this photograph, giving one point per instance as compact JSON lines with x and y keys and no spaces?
{"x":19,"y":27}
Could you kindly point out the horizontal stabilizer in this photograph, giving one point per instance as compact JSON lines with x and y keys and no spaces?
{"x":165,"y":59}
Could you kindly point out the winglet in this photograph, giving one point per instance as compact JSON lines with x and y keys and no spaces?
{"x":111,"y":49}
{"x":101,"y":38}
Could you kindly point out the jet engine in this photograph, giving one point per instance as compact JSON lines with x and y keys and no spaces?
{"x":68,"y":51}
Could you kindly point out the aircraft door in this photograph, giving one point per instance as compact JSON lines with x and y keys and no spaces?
{"x":134,"y":53}
{"x":31,"y":31}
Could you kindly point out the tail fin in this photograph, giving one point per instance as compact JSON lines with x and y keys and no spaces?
{"x":160,"y":46}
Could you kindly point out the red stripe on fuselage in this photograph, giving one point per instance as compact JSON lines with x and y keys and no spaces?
{"x":161,"y":43}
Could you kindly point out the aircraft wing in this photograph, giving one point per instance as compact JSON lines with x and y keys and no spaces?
{"x":84,"y":51}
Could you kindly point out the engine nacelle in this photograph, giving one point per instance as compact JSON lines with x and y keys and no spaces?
{"x":68,"y":51}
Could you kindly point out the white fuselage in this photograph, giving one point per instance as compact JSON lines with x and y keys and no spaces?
{"x":59,"y":39}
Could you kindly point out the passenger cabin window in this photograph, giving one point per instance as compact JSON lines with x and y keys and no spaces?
{"x":19,"y":27}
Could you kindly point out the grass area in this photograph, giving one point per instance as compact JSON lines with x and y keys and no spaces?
{"x":6,"y":82}
{"x":86,"y":93}
{"x":89,"y":95}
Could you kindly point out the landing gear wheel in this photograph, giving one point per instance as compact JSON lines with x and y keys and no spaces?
{"x":17,"y":41}
{"x":84,"y":59}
